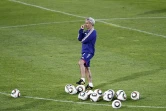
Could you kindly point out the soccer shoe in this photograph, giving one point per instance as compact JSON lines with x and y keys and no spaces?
{"x":89,"y":87}
{"x":80,"y":82}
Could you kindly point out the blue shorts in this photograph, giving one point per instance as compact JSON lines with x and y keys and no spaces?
{"x":87,"y":57}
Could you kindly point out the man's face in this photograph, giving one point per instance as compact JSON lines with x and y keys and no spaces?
{"x":88,"y":25}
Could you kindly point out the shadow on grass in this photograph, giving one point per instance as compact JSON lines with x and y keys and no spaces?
{"x":130,"y":77}
{"x":154,"y":12}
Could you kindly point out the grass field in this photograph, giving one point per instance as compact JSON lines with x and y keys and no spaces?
{"x":39,"y":53}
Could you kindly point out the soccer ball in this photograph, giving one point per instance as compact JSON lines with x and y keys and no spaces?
{"x":135,"y":95}
{"x":72,"y":90}
{"x":82,"y":96}
{"x":121,"y":95}
{"x":107,"y":96}
{"x":116,"y":104}
{"x":15,"y":93}
{"x":94,"y":97}
{"x":112,"y":92}
{"x":67,"y":87}
{"x":98,"y":91}
{"x":118,"y":92}
{"x":80,"y":88}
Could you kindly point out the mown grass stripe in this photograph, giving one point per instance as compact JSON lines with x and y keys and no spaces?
{"x":57,"y":11}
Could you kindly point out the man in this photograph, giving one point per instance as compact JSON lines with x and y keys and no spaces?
{"x":88,"y":39}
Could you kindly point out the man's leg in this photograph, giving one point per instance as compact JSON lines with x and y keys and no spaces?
{"x":88,"y":74}
{"x":89,"y":77}
{"x":82,"y":71}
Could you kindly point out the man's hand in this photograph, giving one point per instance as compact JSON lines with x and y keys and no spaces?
{"x":82,"y":26}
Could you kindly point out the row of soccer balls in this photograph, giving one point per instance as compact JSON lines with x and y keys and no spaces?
{"x":97,"y":94}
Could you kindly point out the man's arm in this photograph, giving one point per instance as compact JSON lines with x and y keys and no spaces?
{"x":81,"y":34}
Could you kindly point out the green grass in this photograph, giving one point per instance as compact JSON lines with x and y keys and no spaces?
{"x":41,"y":59}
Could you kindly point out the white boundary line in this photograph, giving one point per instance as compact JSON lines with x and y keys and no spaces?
{"x":47,"y":9}
{"x":137,"y":30}
{"x":65,"y":13}
{"x":133,"y":18}
{"x":47,"y":23}
{"x":85,"y":103}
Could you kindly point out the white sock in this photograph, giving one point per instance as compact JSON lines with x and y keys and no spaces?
{"x":91,"y":84}
{"x":83,"y":79}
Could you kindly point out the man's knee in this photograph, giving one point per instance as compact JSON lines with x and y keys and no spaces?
{"x":81,"y":62}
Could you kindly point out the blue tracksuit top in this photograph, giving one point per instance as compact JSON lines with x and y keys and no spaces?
{"x":88,"y":39}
